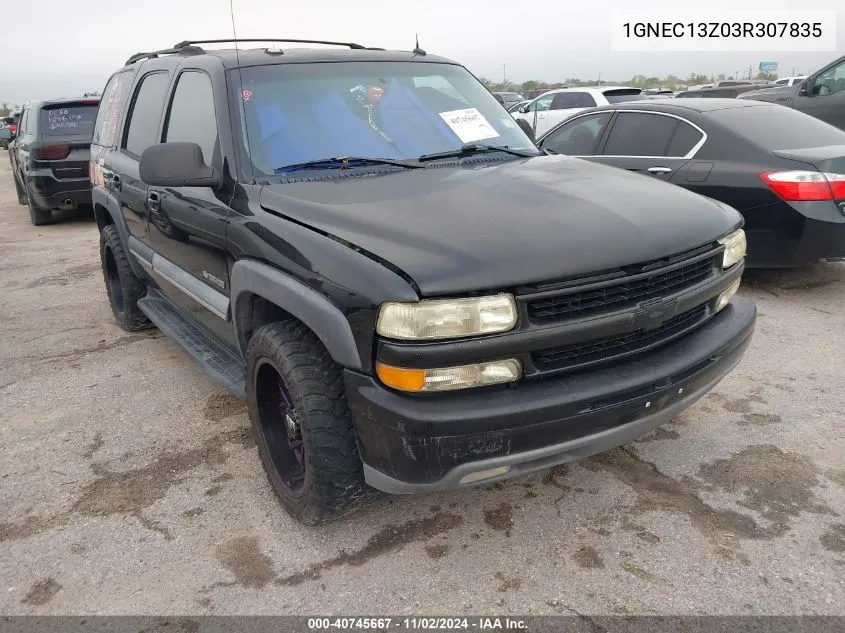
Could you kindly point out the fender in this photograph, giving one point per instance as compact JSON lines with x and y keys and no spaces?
{"x":102,"y":198}
{"x":306,"y":304}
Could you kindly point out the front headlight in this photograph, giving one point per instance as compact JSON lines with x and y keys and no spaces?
{"x":734,"y":248}
{"x":447,"y":318}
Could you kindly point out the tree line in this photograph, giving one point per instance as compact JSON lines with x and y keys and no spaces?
{"x":672,"y":82}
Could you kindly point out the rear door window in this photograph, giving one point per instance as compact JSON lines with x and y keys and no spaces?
{"x":111,"y":107}
{"x":69,"y":120}
{"x":145,"y":116}
{"x":640,"y":134}
{"x":192,"y":118}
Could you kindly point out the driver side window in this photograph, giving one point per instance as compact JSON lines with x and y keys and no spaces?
{"x":830,"y":81}
{"x":542,"y":104}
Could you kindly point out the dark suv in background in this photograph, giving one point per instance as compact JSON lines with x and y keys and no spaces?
{"x":407,"y":292}
{"x":50,"y":156}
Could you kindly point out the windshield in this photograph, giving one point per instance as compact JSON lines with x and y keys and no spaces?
{"x":774,"y":127}
{"x":297,"y":113}
{"x":622,"y":95}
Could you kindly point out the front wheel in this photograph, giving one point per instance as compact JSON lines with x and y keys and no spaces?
{"x":302,"y":424}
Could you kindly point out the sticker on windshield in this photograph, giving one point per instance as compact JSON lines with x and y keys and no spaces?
{"x":469,"y":125}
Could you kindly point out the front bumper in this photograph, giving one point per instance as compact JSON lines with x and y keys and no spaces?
{"x":420,"y":443}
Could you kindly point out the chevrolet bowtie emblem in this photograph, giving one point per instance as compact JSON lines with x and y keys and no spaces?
{"x":654,"y":313}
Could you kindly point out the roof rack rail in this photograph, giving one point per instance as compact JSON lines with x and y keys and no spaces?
{"x":183,"y":50}
{"x":186,"y":43}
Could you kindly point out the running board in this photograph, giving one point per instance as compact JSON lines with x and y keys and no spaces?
{"x":214,"y":358}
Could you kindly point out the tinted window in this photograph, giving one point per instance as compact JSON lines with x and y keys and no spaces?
{"x":684,"y":139}
{"x":579,"y":137}
{"x":781,"y":82}
{"x":111,"y":106}
{"x":565,"y":100}
{"x":638,"y":134}
{"x":192,"y":115}
{"x":74,"y":120}
{"x":775,"y":127}
{"x":146,"y":113}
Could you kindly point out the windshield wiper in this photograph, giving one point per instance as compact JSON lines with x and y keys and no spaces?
{"x":468,"y":149}
{"x":343,"y":162}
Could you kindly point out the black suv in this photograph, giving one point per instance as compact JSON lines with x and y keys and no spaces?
{"x":50,"y":156}
{"x":407,"y":292}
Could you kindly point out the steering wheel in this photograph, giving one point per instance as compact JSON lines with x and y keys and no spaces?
{"x":823,"y":90}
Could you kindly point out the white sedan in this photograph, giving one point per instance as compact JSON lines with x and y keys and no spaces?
{"x":550,"y":108}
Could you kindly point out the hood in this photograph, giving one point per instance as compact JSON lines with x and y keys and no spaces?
{"x":780,"y":94}
{"x":494,"y":226}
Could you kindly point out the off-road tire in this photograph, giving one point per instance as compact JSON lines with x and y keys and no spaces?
{"x":333,"y":483}
{"x":37,"y":215}
{"x":123,"y":288}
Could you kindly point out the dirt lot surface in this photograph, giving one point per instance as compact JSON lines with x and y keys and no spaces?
{"x":129,"y":482}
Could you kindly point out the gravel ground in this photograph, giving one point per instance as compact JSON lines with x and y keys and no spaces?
{"x":129,"y":482}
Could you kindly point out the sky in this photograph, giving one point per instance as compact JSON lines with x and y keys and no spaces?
{"x":60,"y":48}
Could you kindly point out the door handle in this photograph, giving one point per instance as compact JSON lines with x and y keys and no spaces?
{"x":659,"y":170}
{"x":154,"y":200}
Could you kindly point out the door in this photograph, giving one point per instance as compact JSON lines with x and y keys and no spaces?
{"x":120,"y":171}
{"x":580,"y":136}
{"x":188,"y":224}
{"x":828,"y":99}
{"x":650,"y":143}
{"x":536,"y":113}
{"x":563,"y":106}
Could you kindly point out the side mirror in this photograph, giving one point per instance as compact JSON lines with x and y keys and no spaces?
{"x":526,"y":127}
{"x":524,"y":109}
{"x":176,"y":165}
{"x":807,"y":87}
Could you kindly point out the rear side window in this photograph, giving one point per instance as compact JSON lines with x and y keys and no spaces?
{"x":192,"y":116}
{"x":685,"y":138}
{"x":640,"y":134}
{"x":775,"y":127}
{"x":146,"y":113}
{"x":68,"y":120}
{"x":111,"y":105}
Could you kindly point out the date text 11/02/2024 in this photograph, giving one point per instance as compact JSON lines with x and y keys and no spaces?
{"x":416,"y":624}
{"x":723,"y":29}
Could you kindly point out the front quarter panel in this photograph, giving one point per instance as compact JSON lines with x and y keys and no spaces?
{"x":348,"y":279}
